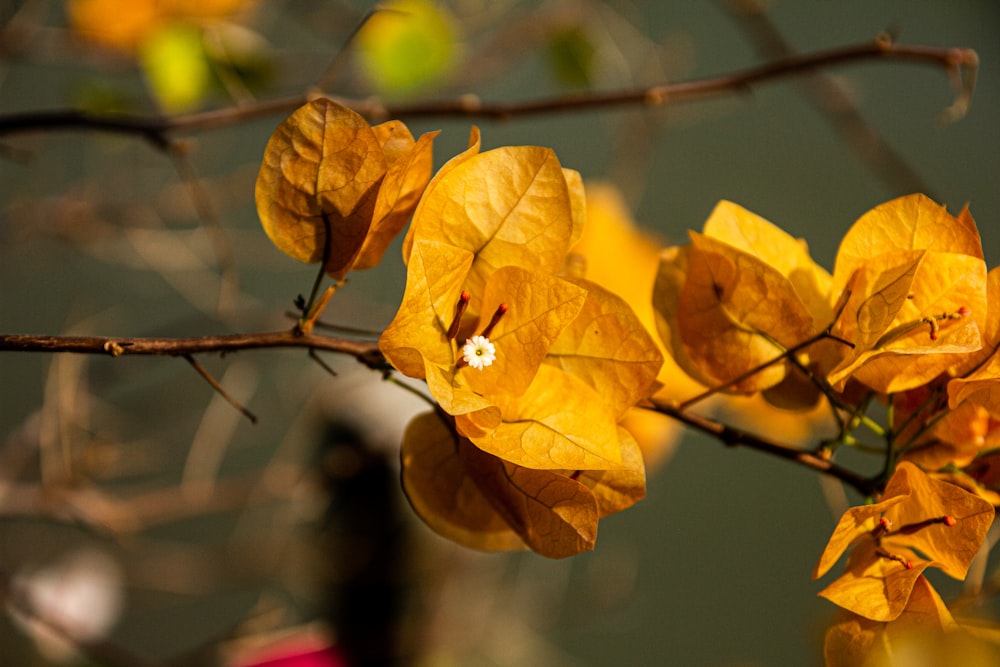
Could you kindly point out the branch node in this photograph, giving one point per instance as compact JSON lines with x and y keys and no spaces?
{"x":114,"y":348}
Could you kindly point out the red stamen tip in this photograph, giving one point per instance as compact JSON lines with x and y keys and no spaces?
{"x":885,"y":523}
{"x":502,"y":308}
{"x":949,"y":520}
{"x":934,"y":335}
{"x":964,"y":310}
{"x":908,"y":565}
{"x":465,"y":296}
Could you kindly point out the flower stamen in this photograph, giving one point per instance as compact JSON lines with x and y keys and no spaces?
{"x":488,"y":331}
{"x":460,"y":308}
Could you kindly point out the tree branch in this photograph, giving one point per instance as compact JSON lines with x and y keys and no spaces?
{"x":960,"y":62}
{"x":733,"y":437}
{"x":364,"y":351}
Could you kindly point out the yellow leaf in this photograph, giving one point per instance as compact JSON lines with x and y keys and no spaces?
{"x":410,"y":166}
{"x":508,"y":206}
{"x":979,"y":372}
{"x":539,"y":307}
{"x":442,"y":493}
{"x":905,"y":318}
{"x":912,"y":222}
{"x":911,"y":268}
{"x":554,"y":514}
{"x":620,"y":488}
{"x":855,"y":524}
{"x":853,"y":640}
{"x":952,"y":548}
{"x":417,"y":336}
{"x":921,"y":522}
{"x":736,"y":312}
{"x":741,"y":229}
{"x":558,"y":423}
{"x":875,"y":587}
{"x":321,"y":171}
{"x":327,"y":173}
{"x":470,"y":152}
{"x":607,"y":347}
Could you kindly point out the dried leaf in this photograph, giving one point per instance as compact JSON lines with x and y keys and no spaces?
{"x":321,"y":171}
{"x":929,"y":523}
{"x":904,"y":318}
{"x":444,"y":495}
{"x":509,"y":206}
{"x":410,"y":166}
{"x":554,"y":514}
{"x":854,"y":640}
{"x":912,"y":222}
{"x":607,"y":347}
{"x":417,"y":337}
{"x":558,"y":423}
{"x":618,"y":489}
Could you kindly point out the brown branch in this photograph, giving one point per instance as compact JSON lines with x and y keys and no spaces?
{"x":364,"y":351}
{"x":733,"y":437}
{"x":960,"y":62}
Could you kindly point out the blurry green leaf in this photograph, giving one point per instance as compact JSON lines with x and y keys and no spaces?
{"x":176,"y":68}
{"x":571,"y":56}
{"x":407,"y":46}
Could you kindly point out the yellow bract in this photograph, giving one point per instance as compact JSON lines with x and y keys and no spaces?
{"x":886,"y":562}
{"x":980,"y":385}
{"x":537,"y":431}
{"x":622,"y":258}
{"x":511,"y":206}
{"x":332,"y":188}
{"x":854,"y":640}
{"x":917,"y":286}
{"x":724,"y":308}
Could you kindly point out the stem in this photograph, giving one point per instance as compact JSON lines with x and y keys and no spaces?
{"x":733,"y":437}
{"x":961,"y":62}
{"x":364,"y":351}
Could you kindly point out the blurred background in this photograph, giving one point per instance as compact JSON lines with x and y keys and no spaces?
{"x":144,"y":516}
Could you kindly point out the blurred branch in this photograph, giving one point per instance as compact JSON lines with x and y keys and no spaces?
{"x":961,"y":63}
{"x":834,"y":102}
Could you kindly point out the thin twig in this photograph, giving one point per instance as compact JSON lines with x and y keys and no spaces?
{"x":224,"y":257}
{"x":202,"y":371}
{"x":961,"y":62}
{"x":325,"y":80}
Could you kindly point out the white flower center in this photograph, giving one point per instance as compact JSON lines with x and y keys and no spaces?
{"x":479,"y":352}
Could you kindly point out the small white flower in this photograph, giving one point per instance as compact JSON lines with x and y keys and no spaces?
{"x":479,"y":352}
